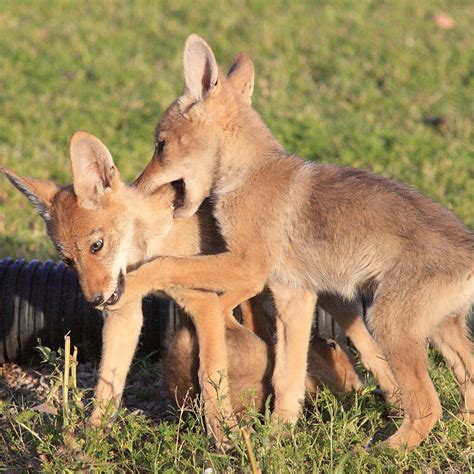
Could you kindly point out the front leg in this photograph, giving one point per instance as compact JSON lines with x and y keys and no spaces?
{"x":205,"y":310}
{"x":119,"y":341}
{"x":225,"y":272}
{"x":294,"y":316}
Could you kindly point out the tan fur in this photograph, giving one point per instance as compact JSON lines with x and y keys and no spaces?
{"x":135,"y":227}
{"x":250,"y":377}
{"x":302,"y":228}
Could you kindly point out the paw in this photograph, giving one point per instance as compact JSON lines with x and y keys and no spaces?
{"x":99,"y":420}
{"x":103,"y":417}
{"x":280,"y":429}
{"x":407,"y":437}
{"x":396,"y":442}
{"x":285,"y":417}
{"x":222,"y":442}
{"x":220,"y":431}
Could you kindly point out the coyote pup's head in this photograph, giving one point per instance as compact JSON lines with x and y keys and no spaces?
{"x":190,"y":138}
{"x":87,"y":220}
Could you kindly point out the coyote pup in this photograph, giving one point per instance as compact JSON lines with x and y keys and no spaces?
{"x":303,"y":228}
{"x":103,"y":228}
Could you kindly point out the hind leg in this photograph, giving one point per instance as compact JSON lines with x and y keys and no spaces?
{"x":452,"y":340}
{"x":404,"y":345}
{"x":347,"y":314}
{"x":294,"y":315}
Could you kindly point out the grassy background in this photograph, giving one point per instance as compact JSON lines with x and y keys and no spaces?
{"x":342,"y":82}
{"x":347,"y":82}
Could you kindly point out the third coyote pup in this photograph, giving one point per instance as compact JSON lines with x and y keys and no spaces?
{"x":250,"y":377}
{"x":302,"y":228}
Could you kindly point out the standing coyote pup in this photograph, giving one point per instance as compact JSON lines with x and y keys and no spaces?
{"x":302,"y":228}
{"x":102,"y":228}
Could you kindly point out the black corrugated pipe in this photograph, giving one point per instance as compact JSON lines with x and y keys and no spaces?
{"x":43,"y":301}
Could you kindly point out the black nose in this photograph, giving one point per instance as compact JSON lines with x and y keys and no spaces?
{"x":97,"y":299}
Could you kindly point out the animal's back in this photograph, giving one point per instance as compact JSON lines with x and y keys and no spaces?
{"x":338,"y":228}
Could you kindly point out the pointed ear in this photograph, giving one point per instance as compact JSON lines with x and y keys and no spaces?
{"x":93,"y":169}
{"x":200,"y":68}
{"x":241,"y":75}
{"x":39,"y":193}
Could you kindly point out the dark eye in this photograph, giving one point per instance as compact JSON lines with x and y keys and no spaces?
{"x":332,"y":345}
{"x":96,"y":246}
{"x":159,"y":146}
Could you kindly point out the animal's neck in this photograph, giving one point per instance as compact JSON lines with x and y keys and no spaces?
{"x":245,"y":145}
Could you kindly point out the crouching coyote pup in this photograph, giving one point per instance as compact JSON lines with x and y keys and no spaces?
{"x":302,"y":228}
{"x":250,"y":377}
{"x":102,"y":228}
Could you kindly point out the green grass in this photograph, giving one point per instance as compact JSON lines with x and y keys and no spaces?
{"x":343,"y":82}
{"x":337,"y":434}
{"x":347,"y":82}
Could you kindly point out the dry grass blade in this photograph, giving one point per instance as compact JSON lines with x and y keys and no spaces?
{"x":248,"y":444}
{"x":67,"y":358}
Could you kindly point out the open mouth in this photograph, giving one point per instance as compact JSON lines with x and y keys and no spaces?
{"x":118,"y":291}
